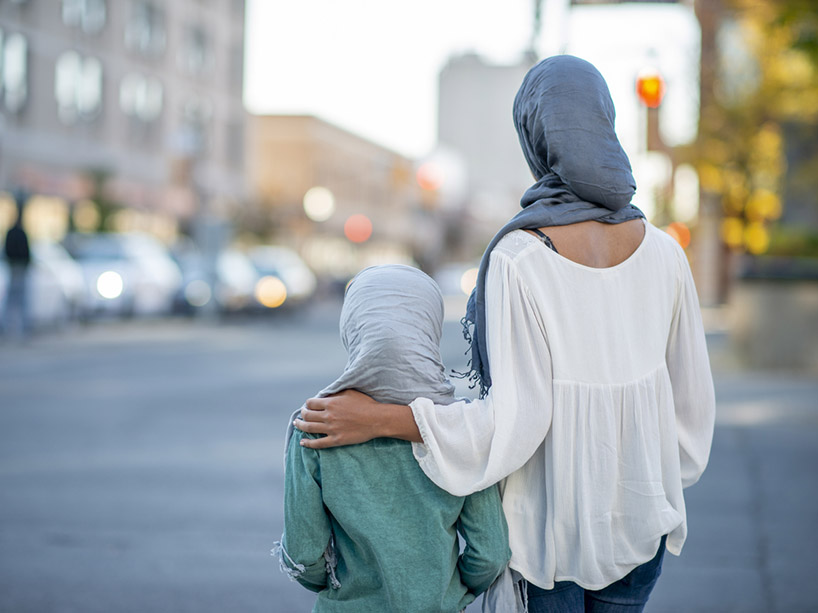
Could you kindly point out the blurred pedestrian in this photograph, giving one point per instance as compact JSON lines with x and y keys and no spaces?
{"x":18,"y":257}
{"x":363,"y":526}
{"x":596,"y":399}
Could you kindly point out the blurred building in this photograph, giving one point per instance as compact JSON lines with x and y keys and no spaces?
{"x":342,"y":201}
{"x":126,"y":112}
{"x":475,"y":121}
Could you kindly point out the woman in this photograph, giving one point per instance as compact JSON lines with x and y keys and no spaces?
{"x":597,"y":403}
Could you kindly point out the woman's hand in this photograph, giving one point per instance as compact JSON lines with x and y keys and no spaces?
{"x":345,"y":418}
{"x":351,"y":417}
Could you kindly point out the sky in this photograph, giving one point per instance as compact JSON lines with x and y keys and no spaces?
{"x":371,"y":66}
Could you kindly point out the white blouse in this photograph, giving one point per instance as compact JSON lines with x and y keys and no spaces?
{"x":601,"y":409}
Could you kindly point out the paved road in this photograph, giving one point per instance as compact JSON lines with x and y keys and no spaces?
{"x":140,"y":470}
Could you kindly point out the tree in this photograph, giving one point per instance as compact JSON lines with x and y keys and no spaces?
{"x":759,"y":95}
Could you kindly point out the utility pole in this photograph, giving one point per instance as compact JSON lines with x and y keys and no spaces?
{"x":536,"y":26}
{"x":711,"y":257}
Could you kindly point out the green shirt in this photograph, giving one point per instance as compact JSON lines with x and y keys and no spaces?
{"x":394,"y":531}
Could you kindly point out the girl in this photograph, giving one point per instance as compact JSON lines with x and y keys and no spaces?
{"x":364,"y":527}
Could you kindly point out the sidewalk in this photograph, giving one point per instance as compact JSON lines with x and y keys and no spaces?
{"x":752,"y":544}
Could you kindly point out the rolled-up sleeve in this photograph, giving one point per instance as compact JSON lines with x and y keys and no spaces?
{"x":468,"y":446}
{"x":307,"y":529}
{"x":692,"y":382}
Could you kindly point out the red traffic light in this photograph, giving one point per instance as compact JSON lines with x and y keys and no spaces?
{"x":650,"y":87}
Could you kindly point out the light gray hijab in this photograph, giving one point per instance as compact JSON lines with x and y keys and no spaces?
{"x":391,"y":324}
{"x":564,"y":118}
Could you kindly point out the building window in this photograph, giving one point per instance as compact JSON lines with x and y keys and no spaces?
{"x":13,"y":71}
{"x":196,"y":115}
{"x":195,"y":54}
{"x":140,"y":97}
{"x":78,"y":87}
{"x":88,"y":15}
{"x":145,"y":31}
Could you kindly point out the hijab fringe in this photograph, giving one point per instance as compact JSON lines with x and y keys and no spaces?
{"x":471,"y":374}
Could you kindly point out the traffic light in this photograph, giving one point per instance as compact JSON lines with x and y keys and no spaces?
{"x":650,"y":87}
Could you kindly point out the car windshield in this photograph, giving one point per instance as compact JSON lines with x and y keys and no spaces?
{"x":96,"y":248}
{"x":273,"y":260}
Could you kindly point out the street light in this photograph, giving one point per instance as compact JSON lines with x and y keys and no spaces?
{"x":319,"y":203}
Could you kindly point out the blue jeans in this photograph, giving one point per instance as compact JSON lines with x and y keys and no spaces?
{"x":628,"y":595}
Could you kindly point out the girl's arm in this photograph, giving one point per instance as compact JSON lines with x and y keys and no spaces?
{"x":307,"y":529}
{"x":483,"y":527}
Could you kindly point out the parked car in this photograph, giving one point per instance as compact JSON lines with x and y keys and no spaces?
{"x":285,"y":279}
{"x":59,"y":269}
{"x":56,"y":287}
{"x":457,"y":278}
{"x":231,"y":283}
{"x":125,"y":274}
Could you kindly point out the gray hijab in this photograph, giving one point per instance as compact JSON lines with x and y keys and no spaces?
{"x":391,"y":324}
{"x":564,"y":118}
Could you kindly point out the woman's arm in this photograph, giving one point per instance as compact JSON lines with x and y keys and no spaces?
{"x":691,"y":380}
{"x":352,"y":417}
{"x":466,"y":446}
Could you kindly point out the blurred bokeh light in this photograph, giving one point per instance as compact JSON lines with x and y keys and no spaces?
{"x":319,"y":203}
{"x":358,"y":228}
{"x":271,"y":292}
{"x":109,"y":284}
{"x":469,"y":280}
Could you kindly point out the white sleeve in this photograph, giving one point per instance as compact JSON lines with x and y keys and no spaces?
{"x":468,"y":446}
{"x":692,"y":382}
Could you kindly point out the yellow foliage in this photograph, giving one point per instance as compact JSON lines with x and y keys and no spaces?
{"x":793,"y":69}
{"x":764,"y":205}
{"x":741,"y":150}
{"x":732,"y":231}
{"x":756,"y":238}
{"x":710,"y":178}
{"x":735,"y":191}
{"x":717,"y":151}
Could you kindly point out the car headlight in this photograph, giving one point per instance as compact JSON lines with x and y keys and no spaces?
{"x":197,"y":293}
{"x":271,"y":292}
{"x":109,"y":285}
